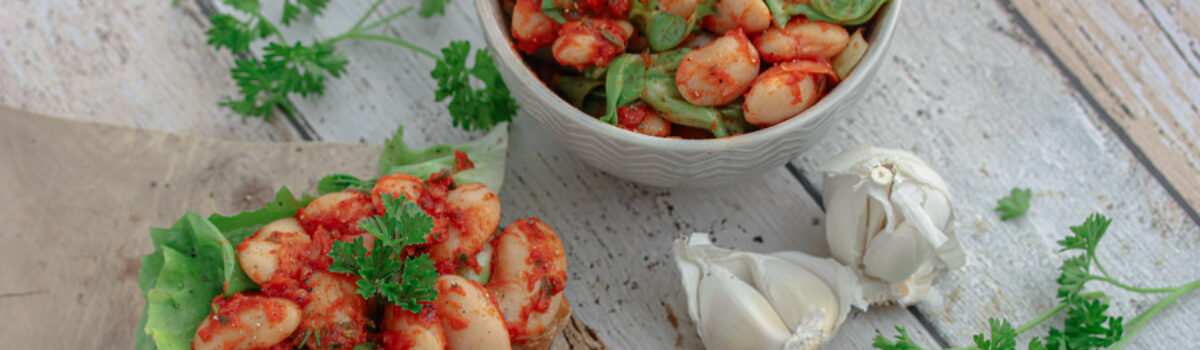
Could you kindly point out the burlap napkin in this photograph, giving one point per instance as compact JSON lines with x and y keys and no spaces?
{"x":78,"y":200}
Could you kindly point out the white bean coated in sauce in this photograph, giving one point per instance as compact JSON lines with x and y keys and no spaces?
{"x":752,"y":16}
{"x":784,"y":91}
{"x":802,"y":39}
{"x":719,"y":72}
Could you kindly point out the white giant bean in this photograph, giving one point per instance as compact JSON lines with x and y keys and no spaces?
{"x":752,"y":16}
{"x":802,"y":39}
{"x":469,"y":316}
{"x":275,"y":247}
{"x":247,"y":322}
{"x":719,"y":72}
{"x":528,"y":277}
{"x":785,"y":90}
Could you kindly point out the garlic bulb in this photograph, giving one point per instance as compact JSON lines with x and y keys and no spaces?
{"x":785,"y":300}
{"x":888,"y":216}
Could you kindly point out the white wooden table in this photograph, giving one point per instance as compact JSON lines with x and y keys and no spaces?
{"x":1091,"y":104}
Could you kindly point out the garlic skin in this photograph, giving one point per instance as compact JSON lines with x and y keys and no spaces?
{"x":784,"y":300}
{"x":888,"y":216}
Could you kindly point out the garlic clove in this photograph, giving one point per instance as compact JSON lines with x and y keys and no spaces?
{"x":733,"y":315}
{"x":895,"y":256}
{"x":877,"y":218}
{"x":845,"y":243}
{"x":801,"y":298}
{"x":743,"y":300}
{"x":909,"y":198}
{"x":840,"y":280}
{"x":798,"y":295}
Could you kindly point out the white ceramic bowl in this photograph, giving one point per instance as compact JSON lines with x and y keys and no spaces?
{"x":673,"y":162}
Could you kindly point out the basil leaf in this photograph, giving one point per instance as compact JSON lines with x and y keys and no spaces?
{"x":554,"y":12}
{"x":577,"y":88}
{"x":665,"y":31}
{"x":338,"y":182}
{"x":623,"y":84}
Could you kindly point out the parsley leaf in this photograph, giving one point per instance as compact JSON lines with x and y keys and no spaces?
{"x":472,"y":109}
{"x":1086,"y":327}
{"x":248,"y":6}
{"x":1074,"y":274}
{"x":376,"y":271}
{"x":290,"y":12}
{"x":1003,"y":336}
{"x":314,"y":6}
{"x":230,"y":33}
{"x":1036,"y":344}
{"x":1087,"y":235}
{"x":417,"y":282}
{"x":429,"y":8}
{"x":402,"y":224}
{"x":1015,"y":204}
{"x":283,"y":70}
{"x":902,"y":342}
{"x":380,"y":270}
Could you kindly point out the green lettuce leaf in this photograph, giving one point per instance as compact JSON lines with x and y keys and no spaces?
{"x":488,"y":153}
{"x":192,"y":264}
{"x":242,"y":225}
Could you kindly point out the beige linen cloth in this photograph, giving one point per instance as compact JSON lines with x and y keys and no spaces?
{"x":77,"y":201}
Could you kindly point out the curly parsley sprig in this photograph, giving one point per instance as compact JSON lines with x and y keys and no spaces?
{"x":285,"y":68}
{"x":381,"y":271}
{"x":1087,"y":325}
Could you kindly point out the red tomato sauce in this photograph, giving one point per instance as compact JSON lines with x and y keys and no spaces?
{"x":629,"y":117}
{"x":595,"y":28}
{"x":226,"y":310}
{"x":540,"y":39}
{"x":344,"y":217}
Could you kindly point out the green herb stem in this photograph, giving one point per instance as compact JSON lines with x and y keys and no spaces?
{"x":387,"y":19}
{"x":1098,"y":266}
{"x":370,"y":11}
{"x":1130,"y":288}
{"x":1137,"y":322}
{"x":359,"y":30}
{"x":391,"y":40}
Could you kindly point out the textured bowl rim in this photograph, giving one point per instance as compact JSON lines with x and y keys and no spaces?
{"x":489,"y":11}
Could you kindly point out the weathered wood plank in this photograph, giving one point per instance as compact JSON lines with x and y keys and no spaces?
{"x":990,"y":112}
{"x":623,"y":281}
{"x":1141,"y":62}
{"x":142,"y":63}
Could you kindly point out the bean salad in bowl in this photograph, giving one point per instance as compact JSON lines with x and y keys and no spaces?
{"x":760,"y":92}
{"x":691,"y":69}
